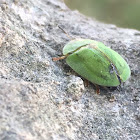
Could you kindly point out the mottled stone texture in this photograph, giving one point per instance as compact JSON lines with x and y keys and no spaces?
{"x":45,"y":100}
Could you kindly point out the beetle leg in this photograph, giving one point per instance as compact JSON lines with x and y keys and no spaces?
{"x":97,"y":89}
{"x":59,"y":58}
{"x":86,"y":83}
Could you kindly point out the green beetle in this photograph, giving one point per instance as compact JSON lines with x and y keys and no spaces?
{"x":96,"y":62}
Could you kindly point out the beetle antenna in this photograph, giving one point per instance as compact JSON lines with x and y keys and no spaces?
{"x":65,"y":33}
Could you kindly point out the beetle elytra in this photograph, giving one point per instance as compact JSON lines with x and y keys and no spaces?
{"x":96,"y":62}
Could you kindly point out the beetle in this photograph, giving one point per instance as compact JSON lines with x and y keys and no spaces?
{"x":96,"y":62}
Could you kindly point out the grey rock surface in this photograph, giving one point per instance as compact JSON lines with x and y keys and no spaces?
{"x":45,"y":100}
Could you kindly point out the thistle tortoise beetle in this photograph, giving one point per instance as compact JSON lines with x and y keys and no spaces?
{"x":96,"y":62}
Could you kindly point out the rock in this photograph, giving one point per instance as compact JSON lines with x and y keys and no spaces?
{"x":75,"y":87}
{"x":38,"y":99}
